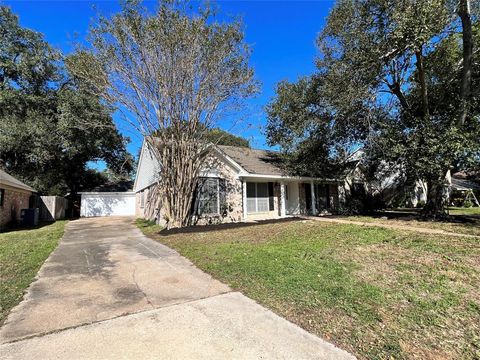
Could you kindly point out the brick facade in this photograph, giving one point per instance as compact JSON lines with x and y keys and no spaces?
{"x":149,"y":202}
{"x":14,"y":200}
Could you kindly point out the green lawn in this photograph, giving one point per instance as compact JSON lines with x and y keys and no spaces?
{"x":22,"y":252}
{"x":464,"y":221}
{"x":378,"y":293}
{"x":465,"y":211}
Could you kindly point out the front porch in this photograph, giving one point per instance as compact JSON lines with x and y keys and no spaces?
{"x":271,"y":198}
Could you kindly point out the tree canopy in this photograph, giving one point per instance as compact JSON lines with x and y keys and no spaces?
{"x":219,"y":136}
{"x":399,"y":79}
{"x":51,"y":125}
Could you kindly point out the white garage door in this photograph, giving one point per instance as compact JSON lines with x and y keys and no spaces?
{"x":107,"y":204}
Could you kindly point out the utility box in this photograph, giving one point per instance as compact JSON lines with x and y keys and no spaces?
{"x":29,"y":217}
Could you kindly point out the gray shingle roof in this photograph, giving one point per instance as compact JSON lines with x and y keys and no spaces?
{"x":463,"y":184}
{"x":259,"y":162}
{"x":9,"y":180}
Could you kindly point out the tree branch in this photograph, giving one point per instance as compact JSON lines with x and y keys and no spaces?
{"x":464,"y":12}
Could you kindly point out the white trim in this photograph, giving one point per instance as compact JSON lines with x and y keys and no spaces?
{"x":313,"y":198}
{"x":218,"y":197}
{"x":138,"y":166}
{"x":283,"y":210}
{"x":256,"y":198}
{"x":283,"y":177}
{"x":244,"y":200}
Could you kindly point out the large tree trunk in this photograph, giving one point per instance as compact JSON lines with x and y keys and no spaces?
{"x":423,"y":84}
{"x":464,"y":12}
{"x":436,"y":201}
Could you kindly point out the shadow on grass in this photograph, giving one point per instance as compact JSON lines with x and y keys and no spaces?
{"x":13,"y":228}
{"x":415,"y":215}
{"x":229,"y":226}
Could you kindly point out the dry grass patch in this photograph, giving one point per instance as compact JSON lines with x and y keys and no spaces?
{"x":462,"y":224}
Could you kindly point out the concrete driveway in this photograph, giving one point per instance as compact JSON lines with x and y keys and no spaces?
{"x":108,"y":291}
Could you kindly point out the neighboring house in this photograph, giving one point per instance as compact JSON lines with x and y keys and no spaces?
{"x":389,"y":185}
{"x":239,"y":184}
{"x":463,"y":188}
{"x":14,"y":196}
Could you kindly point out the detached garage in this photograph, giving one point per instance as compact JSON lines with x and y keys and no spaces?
{"x":107,"y":204}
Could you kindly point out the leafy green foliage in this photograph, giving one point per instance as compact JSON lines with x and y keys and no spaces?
{"x":51,"y":125}
{"x":389,"y":78}
{"x":221,"y":137}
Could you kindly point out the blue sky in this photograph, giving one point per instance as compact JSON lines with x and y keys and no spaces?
{"x":282,"y":35}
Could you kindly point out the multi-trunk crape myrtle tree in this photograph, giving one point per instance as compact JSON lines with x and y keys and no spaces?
{"x":172,"y":73}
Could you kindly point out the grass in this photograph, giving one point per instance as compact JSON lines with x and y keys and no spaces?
{"x":378,"y":293}
{"x":465,"y":211}
{"x":22,"y":252}
{"x":463,"y":221}
{"x":148,"y":227}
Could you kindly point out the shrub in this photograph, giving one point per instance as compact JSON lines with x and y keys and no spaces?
{"x":420,"y":204}
{"x":352,"y":207}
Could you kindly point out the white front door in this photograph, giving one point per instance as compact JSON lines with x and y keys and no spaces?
{"x":292,"y":199}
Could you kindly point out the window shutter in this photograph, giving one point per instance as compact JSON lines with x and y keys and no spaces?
{"x":271,"y":203}
{"x":222,"y":188}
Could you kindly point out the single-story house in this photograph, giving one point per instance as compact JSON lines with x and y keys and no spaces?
{"x":14,"y":196}
{"x":463,"y":188}
{"x":239,"y":184}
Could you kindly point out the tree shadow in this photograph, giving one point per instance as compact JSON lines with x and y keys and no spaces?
{"x":19,"y":227}
{"x":225,"y":226}
{"x":415,"y":215}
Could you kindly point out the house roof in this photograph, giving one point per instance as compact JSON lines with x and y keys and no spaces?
{"x":9,"y":180}
{"x":258,"y":162}
{"x":249,"y":162}
{"x":460,"y":182}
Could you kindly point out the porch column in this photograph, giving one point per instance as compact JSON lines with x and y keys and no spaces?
{"x":244,"y":199}
{"x":342,"y":196}
{"x":283,"y":211}
{"x":314,"y":200}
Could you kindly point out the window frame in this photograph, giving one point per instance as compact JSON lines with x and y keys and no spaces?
{"x":199,"y":199}
{"x":2,"y":197}
{"x":256,"y":197}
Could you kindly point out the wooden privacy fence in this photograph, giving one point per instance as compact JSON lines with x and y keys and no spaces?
{"x":52,"y":207}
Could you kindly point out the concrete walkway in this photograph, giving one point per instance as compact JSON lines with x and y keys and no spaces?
{"x":422,"y":230}
{"x":109,"y":292}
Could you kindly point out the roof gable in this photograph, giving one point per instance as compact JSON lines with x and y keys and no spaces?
{"x":9,"y":180}
{"x":258,"y":162}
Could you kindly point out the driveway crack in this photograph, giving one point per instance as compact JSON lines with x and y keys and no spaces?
{"x":139,"y":288}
